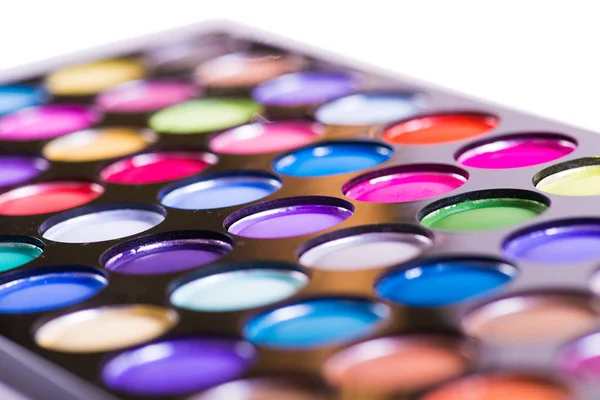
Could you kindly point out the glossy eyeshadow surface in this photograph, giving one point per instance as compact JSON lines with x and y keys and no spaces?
{"x":483,"y":214}
{"x":400,"y":185}
{"x":42,"y":289}
{"x":332,"y":158}
{"x":437,"y":129}
{"x":178,"y":366}
{"x":260,"y":138}
{"x":581,"y":358}
{"x":157,"y":167}
{"x":17,"y":169}
{"x":444,"y":282}
{"x":47,"y":122}
{"x":47,"y":197}
{"x":303,"y":88}
{"x":16,"y":251}
{"x":314,"y":323}
{"x":145,"y":96}
{"x":517,"y":151}
{"x":16,"y":97}
{"x":577,"y":181}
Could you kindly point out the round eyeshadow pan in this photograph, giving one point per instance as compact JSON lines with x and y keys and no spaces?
{"x":47,"y":197}
{"x":244,"y":69}
{"x":516,"y":151}
{"x":16,"y":251}
{"x":94,"y":77}
{"x":581,"y":180}
{"x":16,"y":97}
{"x":368,"y":248}
{"x":15,"y":169}
{"x":274,"y":387}
{"x":261,"y":138}
{"x":98,"y":225}
{"x":166,"y":253}
{"x":315,"y":323}
{"x":303,"y":89}
{"x":483,"y":214}
{"x":367,"y":108}
{"x":500,"y":387}
{"x":444,"y":282}
{"x":220,"y":190}
{"x":47,"y":122}
{"x":332,"y":158}
{"x":405,"y":183}
{"x":178,"y":366}
{"x":437,"y":129}
{"x":563,"y":242}
{"x":98,"y":144}
{"x":581,"y":358}
{"x":239,"y":286}
{"x":397,"y":364}
{"x":48,"y":288}
{"x":524,"y":320}
{"x":289,"y":217}
{"x":105,"y":329}
{"x":145,"y":96}
{"x":204,"y":115}
{"x":157,"y":167}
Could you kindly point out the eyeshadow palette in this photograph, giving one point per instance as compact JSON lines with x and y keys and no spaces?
{"x":219,"y":213}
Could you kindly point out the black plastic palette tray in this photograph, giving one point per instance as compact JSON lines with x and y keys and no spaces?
{"x":42,"y":373}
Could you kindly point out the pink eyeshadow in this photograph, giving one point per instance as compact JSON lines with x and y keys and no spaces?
{"x":258,"y":138}
{"x":145,"y":96}
{"x":47,"y":122}
{"x":516,"y":152}
{"x":396,"y":186}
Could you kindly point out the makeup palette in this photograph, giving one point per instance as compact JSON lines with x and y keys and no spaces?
{"x":219,"y":213}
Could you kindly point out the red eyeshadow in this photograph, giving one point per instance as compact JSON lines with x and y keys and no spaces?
{"x":48,"y":197}
{"x":157,"y":167}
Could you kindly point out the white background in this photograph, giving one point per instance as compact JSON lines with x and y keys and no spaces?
{"x":539,"y":56}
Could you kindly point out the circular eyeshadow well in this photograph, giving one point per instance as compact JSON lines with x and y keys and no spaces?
{"x":501,"y":387}
{"x":368,"y":108}
{"x":48,"y":288}
{"x":145,"y":96}
{"x":219,"y":190}
{"x":98,"y":224}
{"x":581,"y":358}
{"x":245,"y":69}
{"x":442,"y":128}
{"x":562,"y":242}
{"x":47,"y":197}
{"x":106,"y":328}
{"x":16,"y":169}
{"x":397,"y":364}
{"x":178,"y":366}
{"x":94,"y":77}
{"x":204,"y":115}
{"x":46,"y":122}
{"x":238,"y":286}
{"x":16,"y":251}
{"x":157,"y":167}
{"x":367,"y":247}
{"x":165,"y":253}
{"x":443,"y":282}
{"x":289,"y":217}
{"x":579,"y":177}
{"x":516,"y":151}
{"x":273,"y":387}
{"x":405,"y":183}
{"x":532,"y":319}
{"x":16,"y":97}
{"x":315,"y":323}
{"x":332,"y":158}
{"x":98,"y":144}
{"x":303,"y":89}
{"x":484,"y":210}
{"x":261,"y":138}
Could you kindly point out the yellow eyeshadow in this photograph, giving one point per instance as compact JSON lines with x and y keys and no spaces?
{"x":580,"y":181}
{"x":92,"y":78}
{"x":99,"y":144}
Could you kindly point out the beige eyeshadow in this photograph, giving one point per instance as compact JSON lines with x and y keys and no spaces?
{"x":105,"y":329}
{"x":399,"y":364}
{"x":533,"y":319}
{"x":266,"y":389}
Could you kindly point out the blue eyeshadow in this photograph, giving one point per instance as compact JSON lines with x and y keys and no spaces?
{"x":16,"y":97}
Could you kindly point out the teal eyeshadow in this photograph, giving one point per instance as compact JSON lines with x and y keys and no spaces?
{"x":14,"y":255}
